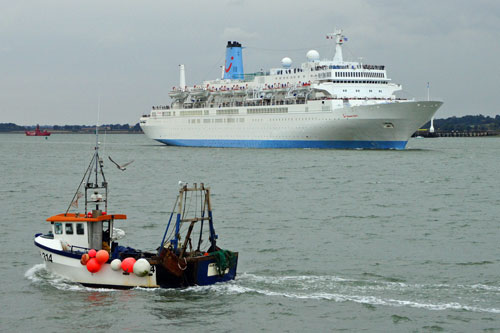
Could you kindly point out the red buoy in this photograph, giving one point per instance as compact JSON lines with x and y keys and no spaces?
{"x":85,"y":259}
{"x":128,"y":265}
{"x":93,"y":265}
{"x":92,"y":253}
{"x":102,"y":256}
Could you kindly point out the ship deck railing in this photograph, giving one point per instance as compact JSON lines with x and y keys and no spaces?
{"x":296,"y":101}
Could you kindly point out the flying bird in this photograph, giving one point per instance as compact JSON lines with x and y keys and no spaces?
{"x":77,"y":197}
{"x":121,"y":167}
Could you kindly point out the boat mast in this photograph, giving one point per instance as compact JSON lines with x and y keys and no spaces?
{"x":96,"y":167}
{"x":96,"y":145}
{"x":339,"y":40}
{"x":96,"y":197}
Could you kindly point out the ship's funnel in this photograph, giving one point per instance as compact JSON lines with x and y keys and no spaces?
{"x":233,"y":68}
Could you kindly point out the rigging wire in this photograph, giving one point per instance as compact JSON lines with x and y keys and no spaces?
{"x":168,"y":225}
{"x":203,"y":200}
{"x":186,"y":212}
{"x":216,"y":65}
{"x":80,"y":184}
{"x":284,"y":50}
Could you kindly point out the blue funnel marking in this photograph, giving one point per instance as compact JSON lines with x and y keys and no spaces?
{"x":233,"y":68}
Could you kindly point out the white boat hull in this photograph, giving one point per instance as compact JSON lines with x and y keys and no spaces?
{"x":317,"y":124}
{"x":68,"y":265}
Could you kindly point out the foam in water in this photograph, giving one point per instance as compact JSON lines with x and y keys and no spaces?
{"x":39,"y":275}
{"x":329,"y":288}
{"x":251,"y":283}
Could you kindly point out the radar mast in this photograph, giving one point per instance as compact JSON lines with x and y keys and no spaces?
{"x":339,"y":40}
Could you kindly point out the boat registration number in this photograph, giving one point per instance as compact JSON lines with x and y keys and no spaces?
{"x":46,"y":256}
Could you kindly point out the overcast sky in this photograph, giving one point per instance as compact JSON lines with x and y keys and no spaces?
{"x":59,"y":58}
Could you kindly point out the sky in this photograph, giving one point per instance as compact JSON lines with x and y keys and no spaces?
{"x":73,"y":62}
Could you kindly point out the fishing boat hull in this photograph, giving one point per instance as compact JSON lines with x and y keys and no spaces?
{"x":67,"y":264}
{"x":200,"y":270}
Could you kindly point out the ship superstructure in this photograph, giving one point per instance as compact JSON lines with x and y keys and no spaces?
{"x":319,"y":104}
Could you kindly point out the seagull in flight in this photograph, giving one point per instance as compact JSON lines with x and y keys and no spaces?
{"x":121,"y":167}
{"x":75,"y":203}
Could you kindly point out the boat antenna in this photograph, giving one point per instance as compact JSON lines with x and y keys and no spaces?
{"x":97,"y":138}
{"x":97,"y":169}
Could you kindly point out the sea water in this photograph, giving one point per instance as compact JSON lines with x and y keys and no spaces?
{"x":328,"y":239}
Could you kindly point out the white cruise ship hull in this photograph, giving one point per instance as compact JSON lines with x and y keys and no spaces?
{"x":317,"y":124}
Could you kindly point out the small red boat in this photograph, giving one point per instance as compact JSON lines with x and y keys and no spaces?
{"x":37,"y":132}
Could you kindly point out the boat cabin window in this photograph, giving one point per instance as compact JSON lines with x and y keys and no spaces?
{"x":80,"y":229}
{"x":58,"y":230}
{"x":69,"y":228}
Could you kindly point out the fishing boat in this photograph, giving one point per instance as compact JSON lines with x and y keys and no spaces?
{"x":37,"y":132}
{"x":84,"y":248}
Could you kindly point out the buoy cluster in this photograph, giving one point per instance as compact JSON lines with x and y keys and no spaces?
{"x":94,"y":260}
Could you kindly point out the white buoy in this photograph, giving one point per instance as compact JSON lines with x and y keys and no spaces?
{"x":116,"y":265}
{"x":141,"y":267}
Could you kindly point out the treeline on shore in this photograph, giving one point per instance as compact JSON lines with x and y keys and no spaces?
{"x":451,"y":124}
{"x":477,"y":123}
{"x":10,"y":127}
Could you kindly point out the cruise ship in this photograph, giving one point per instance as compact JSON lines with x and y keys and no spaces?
{"x":329,"y":103}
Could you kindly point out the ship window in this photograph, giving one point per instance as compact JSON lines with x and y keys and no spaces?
{"x":80,"y":229}
{"x":58,"y":228}
{"x":69,"y":228}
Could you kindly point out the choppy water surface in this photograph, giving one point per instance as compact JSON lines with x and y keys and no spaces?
{"x":328,"y":240}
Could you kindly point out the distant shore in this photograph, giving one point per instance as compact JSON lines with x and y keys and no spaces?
{"x":73,"y":129}
{"x":466,"y":126}
{"x":79,"y":132}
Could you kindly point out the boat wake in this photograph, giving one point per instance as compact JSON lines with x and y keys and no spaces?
{"x":368,"y":292}
{"x":41,"y":277}
{"x":435,"y":297}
